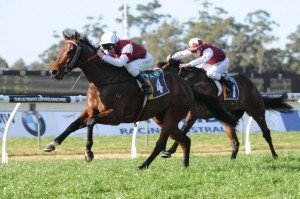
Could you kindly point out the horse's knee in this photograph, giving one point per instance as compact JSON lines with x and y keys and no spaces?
{"x":90,"y":121}
{"x":161,"y":144}
{"x":237,"y":144}
{"x":267,"y":135}
{"x":188,"y":141}
{"x":75,"y":125}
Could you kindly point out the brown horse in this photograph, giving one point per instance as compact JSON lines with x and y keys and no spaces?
{"x":114,"y":97}
{"x":249,"y":101}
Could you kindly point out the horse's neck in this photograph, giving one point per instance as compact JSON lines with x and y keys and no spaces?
{"x":201,"y":82}
{"x":202,"y":75}
{"x":208,"y":87}
{"x":101,"y":73}
{"x":172,"y":70}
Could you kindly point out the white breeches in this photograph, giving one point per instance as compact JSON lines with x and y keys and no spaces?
{"x":139,"y":65}
{"x":215,"y":71}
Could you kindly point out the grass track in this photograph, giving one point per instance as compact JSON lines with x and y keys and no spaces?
{"x":257,"y":176}
{"x":209,"y":176}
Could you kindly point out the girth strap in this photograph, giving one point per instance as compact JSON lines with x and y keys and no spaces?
{"x":142,"y":110}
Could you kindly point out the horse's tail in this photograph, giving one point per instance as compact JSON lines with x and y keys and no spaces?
{"x":215,"y":108}
{"x":277,"y":103}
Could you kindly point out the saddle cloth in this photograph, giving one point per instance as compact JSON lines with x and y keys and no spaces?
{"x":230,"y":93}
{"x":157,"y":81}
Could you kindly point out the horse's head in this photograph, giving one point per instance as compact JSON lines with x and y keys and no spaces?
{"x":189,"y":74}
{"x":72,"y":55}
{"x":172,"y":65}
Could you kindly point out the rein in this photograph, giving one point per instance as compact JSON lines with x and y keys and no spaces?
{"x":77,"y":61}
{"x":72,"y":42}
{"x":76,"y":57}
{"x":88,"y":60}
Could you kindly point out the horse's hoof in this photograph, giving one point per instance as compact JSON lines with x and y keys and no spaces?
{"x":143,"y":167}
{"x":49,"y":148}
{"x":165,"y":154}
{"x":233,"y":156}
{"x":275,"y":156}
{"x":89,"y":156}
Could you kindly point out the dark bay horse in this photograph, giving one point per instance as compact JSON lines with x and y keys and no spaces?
{"x":250,"y":101}
{"x":114,"y":97}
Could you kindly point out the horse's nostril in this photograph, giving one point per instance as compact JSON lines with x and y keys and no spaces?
{"x":53,"y":72}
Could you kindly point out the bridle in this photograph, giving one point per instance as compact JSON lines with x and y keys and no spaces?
{"x":73,"y":64}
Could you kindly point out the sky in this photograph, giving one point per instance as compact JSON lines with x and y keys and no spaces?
{"x":26,"y":26}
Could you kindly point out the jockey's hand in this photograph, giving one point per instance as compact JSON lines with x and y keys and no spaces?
{"x":100,"y":53}
{"x":184,"y":65}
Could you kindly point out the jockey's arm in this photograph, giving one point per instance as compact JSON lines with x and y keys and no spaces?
{"x":123,"y":59}
{"x":181,"y":54}
{"x":206,"y":56}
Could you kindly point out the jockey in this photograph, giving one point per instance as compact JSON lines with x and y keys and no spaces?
{"x":208,"y":57}
{"x":129,"y":54}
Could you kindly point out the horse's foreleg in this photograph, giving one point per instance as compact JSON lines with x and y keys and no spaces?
{"x":231,"y":134}
{"x":181,"y":138}
{"x":169,"y":128}
{"x":79,"y":123}
{"x":100,"y":118}
{"x":107,"y":117}
{"x":89,"y":155}
{"x":185,"y":143}
{"x":190,"y":120}
{"x":160,"y":145}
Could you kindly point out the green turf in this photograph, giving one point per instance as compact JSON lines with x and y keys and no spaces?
{"x":201,"y":143}
{"x":256,"y":176}
{"x":209,"y":176}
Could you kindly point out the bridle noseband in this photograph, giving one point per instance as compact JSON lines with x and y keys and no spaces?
{"x":73,"y":64}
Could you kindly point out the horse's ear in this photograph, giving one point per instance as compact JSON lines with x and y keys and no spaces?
{"x":160,"y":65}
{"x":76,"y":36}
{"x":166,"y":66}
{"x":66,"y":37}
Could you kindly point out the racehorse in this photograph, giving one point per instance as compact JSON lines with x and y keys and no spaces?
{"x":249,"y":101}
{"x":114,"y":97}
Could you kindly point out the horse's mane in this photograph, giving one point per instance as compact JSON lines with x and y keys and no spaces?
{"x":194,"y":69}
{"x":175,"y":64}
{"x":160,"y":64}
{"x":86,"y":41}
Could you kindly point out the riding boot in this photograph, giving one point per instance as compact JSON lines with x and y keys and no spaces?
{"x":225,"y":79}
{"x":147,"y":89}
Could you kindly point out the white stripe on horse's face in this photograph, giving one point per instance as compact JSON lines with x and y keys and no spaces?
{"x":63,"y":59}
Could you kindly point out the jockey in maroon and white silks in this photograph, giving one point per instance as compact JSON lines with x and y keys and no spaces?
{"x":126,"y":53}
{"x":208,"y":57}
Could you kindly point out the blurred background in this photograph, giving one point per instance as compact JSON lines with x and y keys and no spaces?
{"x":262,"y":39}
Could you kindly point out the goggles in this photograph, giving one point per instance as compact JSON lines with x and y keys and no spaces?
{"x":108,"y":46}
{"x":195,"y":51}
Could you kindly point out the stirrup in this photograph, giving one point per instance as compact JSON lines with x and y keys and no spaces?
{"x":147,"y":91}
{"x":229,"y":85}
